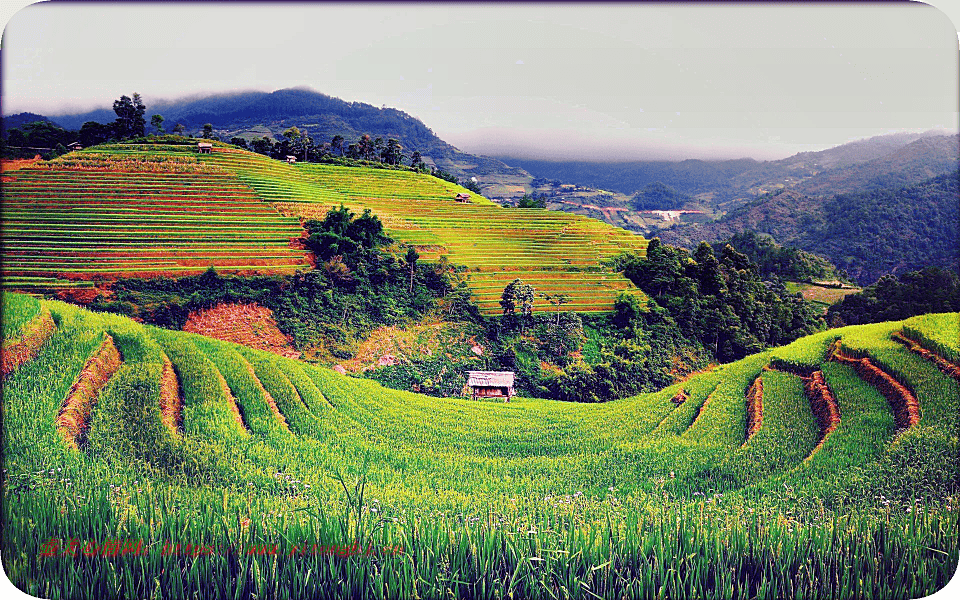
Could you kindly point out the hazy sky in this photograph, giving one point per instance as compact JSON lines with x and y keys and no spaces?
{"x":612,"y":81}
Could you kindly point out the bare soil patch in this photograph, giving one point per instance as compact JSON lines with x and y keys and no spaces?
{"x":171,"y":400}
{"x":824,"y":406}
{"x":250,"y":325}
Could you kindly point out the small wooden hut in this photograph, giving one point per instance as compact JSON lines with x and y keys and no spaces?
{"x":490,"y":384}
{"x":205,"y":147}
{"x":463,"y":198}
{"x":291,"y":159}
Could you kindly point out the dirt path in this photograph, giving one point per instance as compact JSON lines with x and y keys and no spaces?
{"x":754,"y":399}
{"x":945,"y":366}
{"x":171,"y":399}
{"x":26,"y":347}
{"x":824,"y":407}
{"x":906,"y":409}
{"x":74,"y":418}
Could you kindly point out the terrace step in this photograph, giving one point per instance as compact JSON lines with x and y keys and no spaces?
{"x":73,"y":420}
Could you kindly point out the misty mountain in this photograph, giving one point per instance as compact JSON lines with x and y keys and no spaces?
{"x":19,"y":119}
{"x":881,"y":161}
{"x":868,"y":233}
{"x":259,"y":114}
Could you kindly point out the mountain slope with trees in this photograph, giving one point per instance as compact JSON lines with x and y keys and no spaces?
{"x":268,"y":114}
{"x":867,"y":234}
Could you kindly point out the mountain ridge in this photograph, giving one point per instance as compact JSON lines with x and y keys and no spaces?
{"x":251,"y":114}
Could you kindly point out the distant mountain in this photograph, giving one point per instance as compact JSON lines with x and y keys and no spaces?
{"x":881,"y":161}
{"x":14,"y":121}
{"x":258,"y":114}
{"x":690,"y":177}
{"x":868,"y":234}
{"x":914,"y":162}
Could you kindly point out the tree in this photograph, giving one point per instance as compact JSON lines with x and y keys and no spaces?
{"x":130,"y":121}
{"x":393,"y":153}
{"x":208,"y":131}
{"x":557,"y":300}
{"x":239,"y":142}
{"x":337,"y":143}
{"x":44,"y":134}
{"x":261,"y":145}
{"x":365,"y":148}
{"x":518,"y":295}
{"x":156,"y":121}
{"x":93,"y":133}
{"x":531,"y":202}
{"x":411,"y":260}
{"x":179,"y":129}
{"x":298,"y":140}
{"x":416,"y":160}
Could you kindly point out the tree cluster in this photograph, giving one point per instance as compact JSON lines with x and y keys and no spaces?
{"x":658,"y":196}
{"x":721,"y":303}
{"x":297,"y":142}
{"x":50,"y":140}
{"x":40,"y":137}
{"x":784,"y":262}
{"x":527,"y":201}
{"x":929,"y":290}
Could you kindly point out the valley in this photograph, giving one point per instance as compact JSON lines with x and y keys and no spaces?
{"x":231,"y":375}
{"x":265,"y":457}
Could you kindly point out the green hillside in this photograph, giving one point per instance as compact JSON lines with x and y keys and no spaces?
{"x":78,"y":218}
{"x":823,"y":468}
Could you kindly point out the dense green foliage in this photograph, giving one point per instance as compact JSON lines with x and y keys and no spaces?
{"x":891,"y":298}
{"x":527,"y":201}
{"x":454,"y":498}
{"x":721,"y":304}
{"x":867,"y":234}
{"x":329,"y":306}
{"x":891,"y":230}
{"x":38,"y":137}
{"x":783,"y":262}
{"x":658,"y":196}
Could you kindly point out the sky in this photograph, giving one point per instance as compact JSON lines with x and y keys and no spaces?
{"x":599,"y":81}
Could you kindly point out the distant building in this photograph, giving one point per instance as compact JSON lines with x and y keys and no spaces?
{"x":463,"y":198}
{"x":205,"y":147}
{"x":490,"y":384}
{"x":291,"y":159}
{"x":74,"y":146}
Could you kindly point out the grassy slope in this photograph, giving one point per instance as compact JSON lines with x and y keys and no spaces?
{"x":188,"y":211}
{"x":556,"y":252}
{"x":440,"y":470}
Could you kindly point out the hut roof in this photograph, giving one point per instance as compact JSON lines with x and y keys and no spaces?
{"x":490,"y":378}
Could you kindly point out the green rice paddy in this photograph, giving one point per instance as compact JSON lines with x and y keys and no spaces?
{"x":290,"y":481}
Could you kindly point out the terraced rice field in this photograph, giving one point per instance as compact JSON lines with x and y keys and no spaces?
{"x":236,"y":478}
{"x":127,"y":210}
{"x":555,"y":252}
{"x":107,"y":214}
